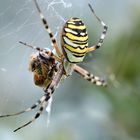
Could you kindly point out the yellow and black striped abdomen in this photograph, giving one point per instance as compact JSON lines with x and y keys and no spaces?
{"x":74,"y":40}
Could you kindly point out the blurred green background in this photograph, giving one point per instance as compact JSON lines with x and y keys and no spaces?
{"x":80,"y":110}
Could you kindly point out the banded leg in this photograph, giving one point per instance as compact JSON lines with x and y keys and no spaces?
{"x":100,"y":42}
{"x":44,"y":21}
{"x":49,"y":52}
{"x":41,"y":102}
{"x":34,"y":118}
{"x":48,"y":93}
{"x":90,"y":77}
{"x":26,"y":110}
{"x":30,"y":46}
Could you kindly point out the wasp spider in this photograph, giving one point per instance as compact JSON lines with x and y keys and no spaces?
{"x":49,"y":68}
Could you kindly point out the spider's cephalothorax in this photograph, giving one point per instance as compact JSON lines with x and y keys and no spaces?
{"x":48,"y":69}
{"x":43,"y":66}
{"x":74,"y":40}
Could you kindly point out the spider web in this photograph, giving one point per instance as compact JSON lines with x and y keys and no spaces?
{"x":20,"y":21}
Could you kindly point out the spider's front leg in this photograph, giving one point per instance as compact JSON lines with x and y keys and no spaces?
{"x":48,"y":93}
{"x":100,"y":42}
{"x":26,"y":110}
{"x":43,"y":105}
{"x":88,"y":76}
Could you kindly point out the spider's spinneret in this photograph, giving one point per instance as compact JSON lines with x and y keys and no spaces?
{"x":74,"y":40}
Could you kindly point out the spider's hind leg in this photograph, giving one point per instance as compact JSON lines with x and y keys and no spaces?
{"x":90,"y":77}
{"x":102,"y":37}
{"x":45,"y":23}
{"x":49,"y":52}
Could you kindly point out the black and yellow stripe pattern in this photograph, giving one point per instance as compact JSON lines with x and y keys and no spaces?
{"x":74,"y":40}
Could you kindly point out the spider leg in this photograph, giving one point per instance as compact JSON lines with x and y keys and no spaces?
{"x":26,"y":110}
{"x":39,"y":49}
{"x":48,"y":93}
{"x":100,"y":42}
{"x":90,"y":77}
{"x":35,"y":117}
{"x":31,"y":46}
{"x":56,"y":79}
{"x":44,"y":21}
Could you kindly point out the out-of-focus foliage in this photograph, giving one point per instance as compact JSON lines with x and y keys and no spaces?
{"x":124,"y":62}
